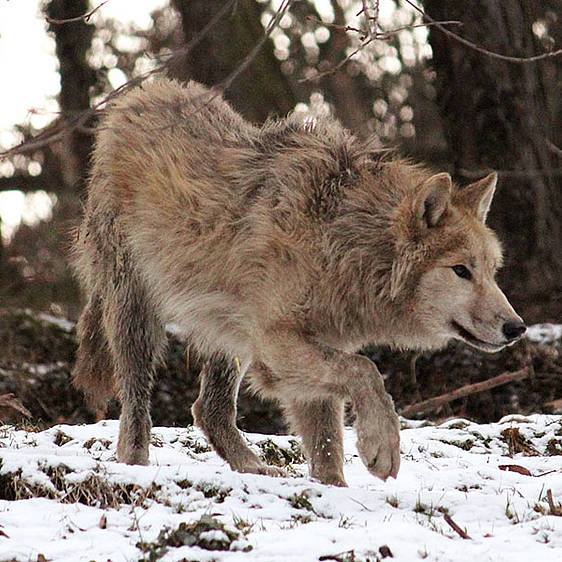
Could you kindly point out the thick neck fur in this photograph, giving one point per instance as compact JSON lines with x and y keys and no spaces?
{"x":364,"y":256}
{"x":350,"y":193}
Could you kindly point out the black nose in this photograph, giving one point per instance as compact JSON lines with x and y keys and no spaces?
{"x":513,"y":330}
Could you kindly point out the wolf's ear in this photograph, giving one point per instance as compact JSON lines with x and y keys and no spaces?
{"x":477,"y":197}
{"x":432,"y":199}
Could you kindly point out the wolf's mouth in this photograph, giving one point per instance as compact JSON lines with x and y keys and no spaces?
{"x":472,"y":340}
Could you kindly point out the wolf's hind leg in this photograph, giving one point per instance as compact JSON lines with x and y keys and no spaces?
{"x":214,"y":412}
{"x":320,"y":424}
{"x":136,"y":338}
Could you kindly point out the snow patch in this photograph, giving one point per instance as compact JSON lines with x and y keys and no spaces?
{"x":187,"y":501}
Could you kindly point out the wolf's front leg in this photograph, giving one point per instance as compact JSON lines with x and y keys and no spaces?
{"x":320,"y":424}
{"x":302,"y":369}
{"x":377,"y":424}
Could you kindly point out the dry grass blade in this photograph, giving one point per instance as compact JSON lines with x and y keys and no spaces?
{"x":555,"y":508}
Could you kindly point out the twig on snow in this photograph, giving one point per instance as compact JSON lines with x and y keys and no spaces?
{"x":455,"y":527}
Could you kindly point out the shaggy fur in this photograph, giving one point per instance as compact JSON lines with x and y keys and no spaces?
{"x":284,"y":248}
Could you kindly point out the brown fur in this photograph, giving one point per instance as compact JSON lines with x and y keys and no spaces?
{"x":287,"y":247}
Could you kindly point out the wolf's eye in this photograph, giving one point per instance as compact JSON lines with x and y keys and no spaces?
{"x":462,"y":271}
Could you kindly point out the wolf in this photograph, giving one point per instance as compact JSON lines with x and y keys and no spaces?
{"x":280,"y":250}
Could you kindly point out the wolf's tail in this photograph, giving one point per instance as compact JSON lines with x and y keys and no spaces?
{"x":93,"y":371}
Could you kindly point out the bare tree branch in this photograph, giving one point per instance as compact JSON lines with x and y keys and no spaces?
{"x":283,"y":9}
{"x":78,"y":121}
{"x":371,"y":34}
{"x":478,"y":48}
{"x":382,"y":36}
{"x":57,"y":132}
{"x":371,"y":20}
{"x":85,"y":17}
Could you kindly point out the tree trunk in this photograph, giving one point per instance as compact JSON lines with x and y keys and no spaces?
{"x":351,"y":97}
{"x":73,"y":39}
{"x":501,"y":115}
{"x":262,"y":89}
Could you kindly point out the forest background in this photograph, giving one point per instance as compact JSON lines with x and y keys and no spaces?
{"x":465,"y":87}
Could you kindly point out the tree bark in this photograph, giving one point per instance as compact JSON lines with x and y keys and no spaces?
{"x":501,"y":115}
{"x":222,"y":50}
{"x":73,"y":40}
{"x":351,"y":97}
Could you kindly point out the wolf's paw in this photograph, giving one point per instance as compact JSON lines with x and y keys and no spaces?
{"x":378,"y":444}
{"x":247,"y":462}
{"x":332,"y":479}
{"x":132,"y":455}
{"x":272,"y":471}
{"x":134,"y":438}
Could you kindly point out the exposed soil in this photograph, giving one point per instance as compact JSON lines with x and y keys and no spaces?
{"x":37,"y":355}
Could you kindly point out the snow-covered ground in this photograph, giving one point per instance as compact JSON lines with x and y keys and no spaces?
{"x":80,"y":504}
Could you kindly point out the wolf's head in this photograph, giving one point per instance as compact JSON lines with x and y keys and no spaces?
{"x":449,"y":257}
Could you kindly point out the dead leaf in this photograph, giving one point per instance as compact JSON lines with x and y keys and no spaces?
{"x":515,"y":468}
{"x":385,"y":552}
{"x":517,"y":443}
{"x":103,"y":522}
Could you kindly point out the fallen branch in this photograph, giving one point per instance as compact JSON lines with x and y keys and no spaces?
{"x":515,"y":468}
{"x":467,"y":390}
{"x":455,"y":527}
{"x":348,"y":555}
